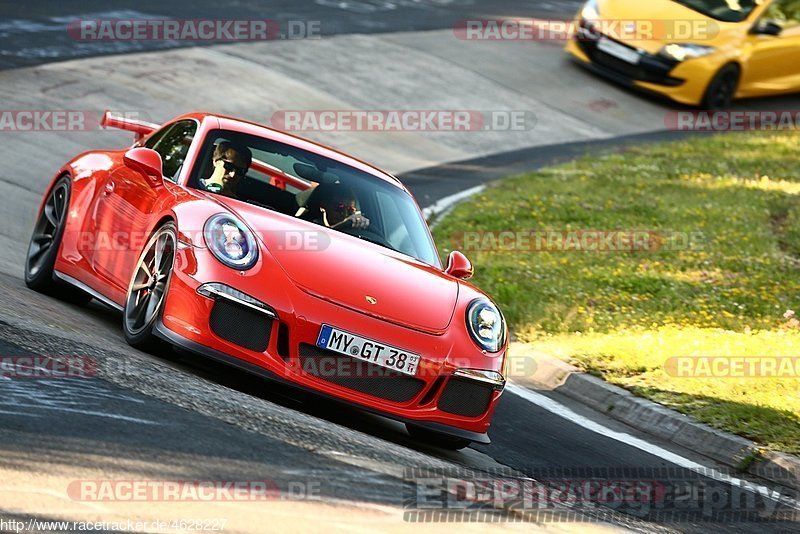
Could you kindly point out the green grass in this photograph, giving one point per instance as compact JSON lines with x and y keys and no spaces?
{"x":622,"y":315}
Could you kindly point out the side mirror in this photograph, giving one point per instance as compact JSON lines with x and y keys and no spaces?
{"x":146,"y":161}
{"x":458,"y":266}
{"x":766,"y":27}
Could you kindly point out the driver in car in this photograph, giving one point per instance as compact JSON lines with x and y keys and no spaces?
{"x":231,"y":163}
{"x":336,"y":207}
{"x":341,"y":210}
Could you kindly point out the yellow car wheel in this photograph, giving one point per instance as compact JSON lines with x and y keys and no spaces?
{"x":722,"y":88}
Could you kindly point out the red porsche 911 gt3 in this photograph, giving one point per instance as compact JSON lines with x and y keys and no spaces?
{"x":280,"y":256}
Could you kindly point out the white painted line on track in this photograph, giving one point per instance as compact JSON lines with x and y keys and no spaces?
{"x":560,"y":410}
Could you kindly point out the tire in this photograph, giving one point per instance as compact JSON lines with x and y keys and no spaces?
{"x":45,"y":242}
{"x":148,"y":288}
{"x":442,"y":441}
{"x":722,"y":88}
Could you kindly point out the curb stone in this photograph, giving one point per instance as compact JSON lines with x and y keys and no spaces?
{"x":550,"y":373}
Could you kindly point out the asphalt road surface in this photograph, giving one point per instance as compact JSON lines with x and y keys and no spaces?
{"x":35,"y":33}
{"x":169,"y":416}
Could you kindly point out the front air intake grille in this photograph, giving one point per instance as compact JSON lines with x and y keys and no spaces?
{"x":283,"y":341}
{"x":650,"y":68}
{"x":465,"y":397}
{"x":359,"y":375}
{"x":241,"y":325}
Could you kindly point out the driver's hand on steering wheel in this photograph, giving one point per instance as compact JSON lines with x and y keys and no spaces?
{"x":356,"y":220}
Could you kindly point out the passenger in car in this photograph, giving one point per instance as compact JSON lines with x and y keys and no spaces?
{"x":231,"y":163}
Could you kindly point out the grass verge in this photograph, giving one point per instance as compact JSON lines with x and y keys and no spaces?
{"x":711,"y":270}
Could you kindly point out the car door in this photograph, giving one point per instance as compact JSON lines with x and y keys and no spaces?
{"x":774,"y":63}
{"x":125,"y":207}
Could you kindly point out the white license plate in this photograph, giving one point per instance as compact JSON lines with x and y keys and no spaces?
{"x":361,"y":348}
{"x":618,"y":51}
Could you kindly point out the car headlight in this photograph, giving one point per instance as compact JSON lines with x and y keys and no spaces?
{"x":590,"y":10}
{"x":682,"y":52}
{"x":231,"y":241}
{"x":486,"y":325}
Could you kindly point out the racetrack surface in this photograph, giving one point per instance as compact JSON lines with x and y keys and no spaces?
{"x":168,"y":416}
{"x":32,"y":34}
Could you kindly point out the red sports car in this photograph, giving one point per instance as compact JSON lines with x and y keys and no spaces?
{"x":279,"y":256}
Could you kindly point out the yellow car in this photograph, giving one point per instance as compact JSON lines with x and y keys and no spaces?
{"x":697,"y":52}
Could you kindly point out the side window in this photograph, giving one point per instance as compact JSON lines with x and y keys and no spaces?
{"x":156,"y":137}
{"x":173,"y":143}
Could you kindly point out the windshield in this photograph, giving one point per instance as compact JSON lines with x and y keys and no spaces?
{"x":722,"y":10}
{"x":306,"y":185}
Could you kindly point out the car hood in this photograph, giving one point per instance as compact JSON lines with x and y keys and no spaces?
{"x":354,"y":273}
{"x":671,"y":22}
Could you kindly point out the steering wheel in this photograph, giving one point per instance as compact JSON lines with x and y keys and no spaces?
{"x":366,"y":234}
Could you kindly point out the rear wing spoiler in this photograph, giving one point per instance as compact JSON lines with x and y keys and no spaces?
{"x":138,"y":127}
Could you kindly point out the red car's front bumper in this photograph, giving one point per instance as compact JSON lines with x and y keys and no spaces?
{"x":434,"y":398}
